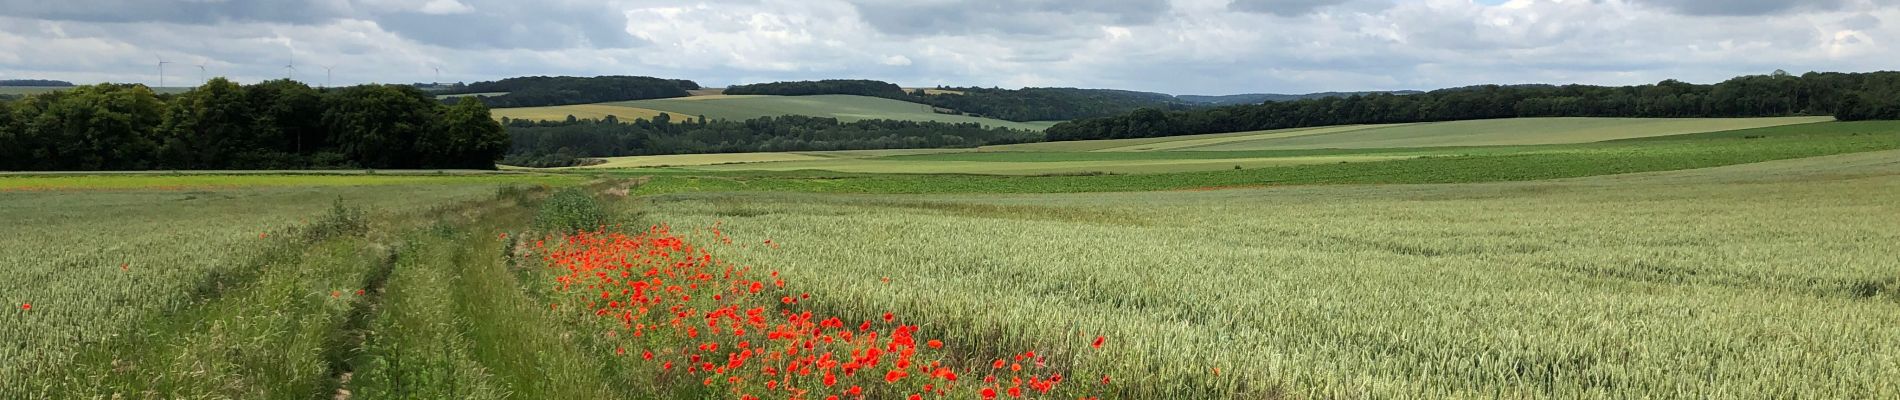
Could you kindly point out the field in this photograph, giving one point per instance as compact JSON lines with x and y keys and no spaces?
{"x":687,"y":160}
{"x":103,"y":261}
{"x":1177,"y":164}
{"x":844,"y":108}
{"x":582,"y":111}
{"x":1747,"y":281}
{"x":1597,"y":259}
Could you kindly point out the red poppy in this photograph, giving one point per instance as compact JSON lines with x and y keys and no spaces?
{"x":989,"y":393}
{"x":888,"y":317}
{"x":26,"y":306}
{"x":1098,"y":341}
{"x":935,"y":344}
{"x":895,"y":375}
{"x":1015,"y":391}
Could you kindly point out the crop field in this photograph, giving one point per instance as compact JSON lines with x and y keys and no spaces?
{"x":1165,"y":170}
{"x":842,"y":107}
{"x":1721,"y":264}
{"x":1504,"y":132}
{"x":683,"y":160}
{"x":899,"y":165}
{"x":1760,"y":280}
{"x":581,"y":111}
{"x":90,"y":267}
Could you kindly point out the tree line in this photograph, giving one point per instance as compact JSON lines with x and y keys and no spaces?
{"x":858,"y":87}
{"x":537,"y":91}
{"x":35,"y":83}
{"x":280,"y":124}
{"x":565,"y":143}
{"x":1847,"y":96}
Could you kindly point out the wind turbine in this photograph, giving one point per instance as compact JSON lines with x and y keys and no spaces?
{"x":161,"y":70}
{"x":438,"y":75}
{"x":201,"y":74}
{"x":328,"y":72}
{"x":290,"y":68}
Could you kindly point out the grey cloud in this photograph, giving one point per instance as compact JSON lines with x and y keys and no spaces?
{"x":1742,"y":7}
{"x":515,"y":25}
{"x":175,"y":11}
{"x":1031,"y":17}
{"x":490,"y":23}
{"x":1861,"y":22}
{"x":1284,"y":8}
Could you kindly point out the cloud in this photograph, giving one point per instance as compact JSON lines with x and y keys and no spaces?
{"x":1285,"y":8}
{"x":1175,"y":46}
{"x":1742,"y":7}
{"x":1006,"y":18}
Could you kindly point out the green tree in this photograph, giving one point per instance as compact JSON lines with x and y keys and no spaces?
{"x":377,"y":126}
{"x":287,"y":119}
{"x":10,"y":149}
{"x":466,"y":137}
{"x":206,"y":127}
{"x":97,"y":127}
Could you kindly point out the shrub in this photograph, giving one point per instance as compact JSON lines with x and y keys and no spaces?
{"x":570,"y":210}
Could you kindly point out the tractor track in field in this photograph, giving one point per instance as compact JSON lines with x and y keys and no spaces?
{"x":346,"y":343}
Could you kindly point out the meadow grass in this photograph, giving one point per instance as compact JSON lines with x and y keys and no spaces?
{"x":1757,"y":280}
{"x":209,"y":181}
{"x":1503,"y":132}
{"x":688,"y":160}
{"x":151,"y":279}
{"x":843,"y":107}
{"x":1478,"y":164}
{"x":581,"y":111}
{"x":1042,"y":167}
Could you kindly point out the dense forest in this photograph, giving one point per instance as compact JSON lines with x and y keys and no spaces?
{"x":35,"y":83}
{"x":563,"y":143}
{"x":1847,"y":96}
{"x":1257,"y":98}
{"x":536,"y":91}
{"x":279,"y":124}
{"x":858,"y":87}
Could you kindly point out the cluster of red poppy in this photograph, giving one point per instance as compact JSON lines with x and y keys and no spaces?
{"x":726,"y":328}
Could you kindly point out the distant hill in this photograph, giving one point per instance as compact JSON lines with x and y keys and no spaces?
{"x":1257,"y":98}
{"x":537,"y":91}
{"x":34,"y":83}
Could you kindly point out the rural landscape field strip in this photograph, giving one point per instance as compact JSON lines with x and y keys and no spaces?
{"x":843,"y":107}
{"x":1039,"y":167}
{"x":581,"y":111}
{"x":1481,"y":164}
{"x":1188,"y":144}
{"x":132,"y":255}
{"x":1503,"y":132}
{"x":1685,"y":284}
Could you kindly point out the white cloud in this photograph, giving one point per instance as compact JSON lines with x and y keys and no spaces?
{"x":1177,"y":46}
{"x":442,"y":7}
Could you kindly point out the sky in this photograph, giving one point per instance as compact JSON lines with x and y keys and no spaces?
{"x":1169,"y":46}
